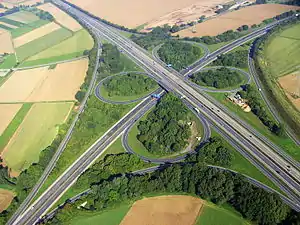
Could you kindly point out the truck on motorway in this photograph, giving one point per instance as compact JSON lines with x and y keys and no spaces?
{"x":197,"y":110}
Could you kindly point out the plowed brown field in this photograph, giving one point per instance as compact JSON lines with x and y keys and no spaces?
{"x":5,"y":199}
{"x":291,"y":85}
{"x":133,"y":13}
{"x":230,"y":21}
{"x":166,"y":210}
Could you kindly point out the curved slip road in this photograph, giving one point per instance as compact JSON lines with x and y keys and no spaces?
{"x":100,"y":85}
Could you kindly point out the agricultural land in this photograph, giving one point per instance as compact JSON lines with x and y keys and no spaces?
{"x":43,"y":61}
{"x":151,"y":13}
{"x":235,"y":19}
{"x":6,"y":197}
{"x":168,"y":210}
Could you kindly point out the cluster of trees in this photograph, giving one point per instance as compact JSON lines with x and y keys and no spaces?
{"x":110,"y":59}
{"x":235,"y":59}
{"x":224,"y":37}
{"x":129,"y":84}
{"x":44,"y":15}
{"x":165,"y":130}
{"x":179,"y":54}
{"x":208,"y":183}
{"x":250,"y":93}
{"x":213,"y":153}
{"x":110,"y":165}
{"x":157,"y":36}
{"x":217,"y":78}
{"x":92,"y":55}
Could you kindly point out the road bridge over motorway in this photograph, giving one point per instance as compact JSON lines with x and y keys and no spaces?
{"x":286,"y":172}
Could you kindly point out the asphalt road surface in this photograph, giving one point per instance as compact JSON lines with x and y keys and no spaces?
{"x":288,"y":175}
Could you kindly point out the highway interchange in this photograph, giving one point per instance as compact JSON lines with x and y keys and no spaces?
{"x":280,"y":167}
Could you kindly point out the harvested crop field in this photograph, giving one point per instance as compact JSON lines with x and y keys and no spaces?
{"x":35,"y":133}
{"x":6,"y":197}
{"x":61,"y":17}
{"x":6,"y":45}
{"x":7,"y":114}
{"x":193,"y":12}
{"x":291,"y":85}
{"x":23,"y":17}
{"x":44,"y":84}
{"x":35,"y":34}
{"x":166,"y":210}
{"x":141,"y":12}
{"x":235,"y":19}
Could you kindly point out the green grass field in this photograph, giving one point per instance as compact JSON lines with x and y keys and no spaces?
{"x":11,"y":22}
{"x":76,"y":44}
{"x":9,"y":62}
{"x":47,"y":41}
{"x":282,"y":51}
{"x":13,"y":126}
{"x":281,"y":56}
{"x":34,"y":134}
{"x":2,"y":26}
{"x":215,"y":215}
{"x":27,"y":28}
{"x":23,"y":16}
{"x":284,"y":142}
{"x":108,"y":217}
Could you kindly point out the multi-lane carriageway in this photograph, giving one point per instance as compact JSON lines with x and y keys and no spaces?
{"x":282,"y":168}
{"x":287,"y":173}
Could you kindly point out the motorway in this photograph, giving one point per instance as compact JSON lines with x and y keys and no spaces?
{"x":286,"y":172}
{"x":249,"y":141}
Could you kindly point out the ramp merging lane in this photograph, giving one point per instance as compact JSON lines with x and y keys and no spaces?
{"x":287,"y":174}
{"x":263,"y":153}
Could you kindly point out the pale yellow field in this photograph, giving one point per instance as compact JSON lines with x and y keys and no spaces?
{"x":230,"y":21}
{"x":2,"y":10}
{"x":6,"y":45}
{"x":35,"y":133}
{"x":44,"y":84}
{"x":7,"y":113}
{"x":164,"y":210}
{"x":35,"y":34}
{"x":61,"y":17}
{"x":133,"y":13}
{"x":6,"y":197}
